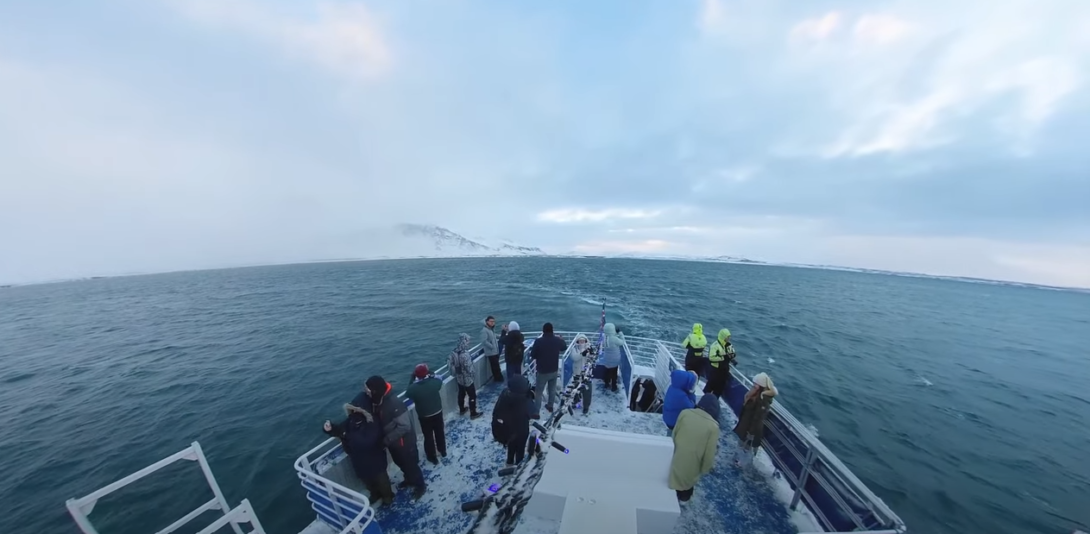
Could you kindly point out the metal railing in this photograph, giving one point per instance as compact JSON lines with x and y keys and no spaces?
{"x":820,"y":480}
{"x":242,"y":514}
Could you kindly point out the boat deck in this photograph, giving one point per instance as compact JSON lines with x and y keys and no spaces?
{"x":726,"y":500}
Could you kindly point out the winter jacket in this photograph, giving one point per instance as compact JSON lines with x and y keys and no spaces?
{"x":515,"y":408}
{"x":579,"y":357}
{"x":751,"y":422}
{"x":547,"y":350}
{"x":696,"y":442}
{"x":425,"y":394}
{"x":489,"y":345}
{"x":460,"y":363}
{"x":679,"y":396}
{"x":361,"y":439}
{"x":722,"y":351}
{"x":694,"y":345}
{"x":611,"y":346}
{"x":397,"y":430}
{"x":514,"y":347}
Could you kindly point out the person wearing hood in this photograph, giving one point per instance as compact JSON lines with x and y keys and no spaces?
{"x":546,"y":350}
{"x":696,"y":442}
{"x":361,"y":439}
{"x":694,"y":345}
{"x":397,"y":431}
{"x":581,"y":349}
{"x":720,"y":358}
{"x":460,"y":364}
{"x":490,"y":347}
{"x":611,"y":354}
{"x":511,"y":417}
{"x":679,"y":396}
{"x":751,"y":422}
{"x":424,"y":391}
{"x":514,"y":348}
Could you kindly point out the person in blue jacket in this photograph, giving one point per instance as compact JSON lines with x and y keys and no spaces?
{"x":681,"y":395}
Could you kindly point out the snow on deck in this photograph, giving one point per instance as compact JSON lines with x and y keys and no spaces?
{"x":727,"y":500}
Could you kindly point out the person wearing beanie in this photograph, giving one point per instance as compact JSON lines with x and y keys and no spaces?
{"x":720,"y":358}
{"x":546,"y":350}
{"x":514,"y":347}
{"x":424,"y":391}
{"x":460,"y":364}
{"x":679,"y":396}
{"x":397,"y":431}
{"x":696,"y":442}
{"x":490,"y":347}
{"x":361,"y":439}
{"x":751,"y":422}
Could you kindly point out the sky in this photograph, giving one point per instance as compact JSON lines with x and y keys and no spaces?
{"x":927,"y":136}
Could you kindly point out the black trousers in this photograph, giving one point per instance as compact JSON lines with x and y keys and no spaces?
{"x":494,"y":364}
{"x":695,"y":365}
{"x":516,"y":447}
{"x":611,"y":377}
{"x":379,"y":488}
{"x":718,"y":379}
{"x":685,"y":495}
{"x":467,"y":391}
{"x":434,"y":436}
{"x":407,"y":459}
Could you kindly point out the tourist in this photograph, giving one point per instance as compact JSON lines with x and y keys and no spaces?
{"x":424,"y":391}
{"x":579,"y":354}
{"x":514,"y":347}
{"x":546,"y":351}
{"x":751,"y":423}
{"x":611,"y":354}
{"x":720,"y":358}
{"x":696,"y":441}
{"x":397,"y":431}
{"x":490,"y":347}
{"x":511,"y":417}
{"x":361,"y":439}
{"x":680,"y":395}
{"x":694,"y":345}
{"x":460,"y":364}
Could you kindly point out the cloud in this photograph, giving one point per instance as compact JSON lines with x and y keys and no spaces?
{"x":579,"y":215}
{"x":344,"y":38}
{"x":880,"y":29}
{"x":817,"y":29}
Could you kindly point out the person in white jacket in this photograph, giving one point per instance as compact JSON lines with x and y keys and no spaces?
{"x":580,"y":350}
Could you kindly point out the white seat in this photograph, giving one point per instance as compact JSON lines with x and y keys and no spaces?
{"x":619,"y":473}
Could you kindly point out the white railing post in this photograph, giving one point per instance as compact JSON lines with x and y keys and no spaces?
{"x":203,"y":462}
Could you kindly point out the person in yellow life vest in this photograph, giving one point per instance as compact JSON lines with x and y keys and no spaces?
{"x":720,"y":359}
{"x":694,"y":350}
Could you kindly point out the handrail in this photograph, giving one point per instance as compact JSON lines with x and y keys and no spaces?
{"x":81,"y":507}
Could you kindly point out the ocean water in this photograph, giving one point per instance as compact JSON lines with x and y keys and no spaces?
{"x":965,"y":406}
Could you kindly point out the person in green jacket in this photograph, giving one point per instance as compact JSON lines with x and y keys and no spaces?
{"x":694,"y":345}
{"x":696,"y":442}
{"x":424,"y":392}
{"x":720,"y":358}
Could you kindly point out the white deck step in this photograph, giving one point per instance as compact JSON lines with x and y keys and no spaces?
{"x":620,"y":475}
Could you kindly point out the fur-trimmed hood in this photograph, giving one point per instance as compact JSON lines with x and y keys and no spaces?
{"x":350,"y":409}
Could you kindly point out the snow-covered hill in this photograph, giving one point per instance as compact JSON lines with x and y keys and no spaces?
{"x":425,"y":240}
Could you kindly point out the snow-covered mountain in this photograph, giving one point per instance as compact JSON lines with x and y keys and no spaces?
{"x":414,"y":240}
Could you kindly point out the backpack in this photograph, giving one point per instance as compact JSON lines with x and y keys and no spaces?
{"x":501,"y":430}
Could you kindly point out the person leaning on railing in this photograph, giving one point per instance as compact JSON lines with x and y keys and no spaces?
{"x":361,"y":439}
{"x":751,"y":422}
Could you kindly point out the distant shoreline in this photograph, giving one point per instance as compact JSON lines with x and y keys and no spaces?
{"x":720,"y":259}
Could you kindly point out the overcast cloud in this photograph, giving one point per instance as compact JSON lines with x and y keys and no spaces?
{"x":930,"y":136}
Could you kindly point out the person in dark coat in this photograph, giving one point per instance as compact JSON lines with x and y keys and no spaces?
{"x":361,"y":439}
{"x":397,"y":431}
{"x":546,"y":350}
{"x":511,"y":417}
{"x":425,"y":392}
{"x":514,"y":348}
{"x":751,"y":422}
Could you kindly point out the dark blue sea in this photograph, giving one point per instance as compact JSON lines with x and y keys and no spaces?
{"x":965,"y":406}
